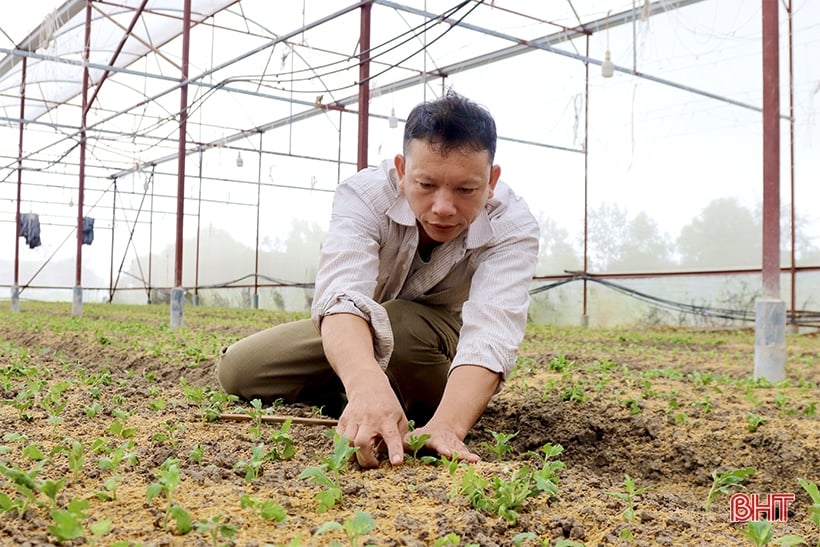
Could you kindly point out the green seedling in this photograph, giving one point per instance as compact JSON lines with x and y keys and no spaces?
{"x":789,"y":540}
{"x":165,"y":485}
{"x":416,"y":443}
{"x":256,"y":413}
{"x":561,"y":363}
{"x":196,"y":453}
{"x":68,"y":523}
{"x":633,"y":405}
{"x":451,"y":540}
{"x":575,"y":393}
{"x":499,"y":496}
{"x":252,"y":467}
{"x":93,"y":409}
{"x":122,"y":454}
{"x":354,"y":527}
{"x":547,"y":476}
{"x":119,"y":427}
{"x":328,"y":474}
{"x":156,"y":403}
{"x":814,"y":493}
{"x":522,"y":538}
{"x":51,"y":488}
{"x":76,"y":458}
{"x":760,"y":532}
{"x":628,"y":495}
{"x":268,"y":509}
{"x":754,"y":421}
{"x":216,"y":529}
{"x":169,"y":434}
{"x":500,"y":446}
{"x":283,"y":446}
{"x":721,"y":483}
{"x":705,"y":404}
{"x":451,"y":464}
{"x":33,"y":453}
{"x":54,"y":404}
{"x":27,"y":486}
{"x":505,"y":496}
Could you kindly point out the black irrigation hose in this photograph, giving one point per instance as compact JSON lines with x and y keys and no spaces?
{"x":797,"y":317}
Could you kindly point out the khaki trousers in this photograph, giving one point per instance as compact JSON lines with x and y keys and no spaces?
{"x":288,"y":362}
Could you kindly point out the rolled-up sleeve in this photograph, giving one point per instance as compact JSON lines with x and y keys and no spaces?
{"x":495,"y":314}
{"x":348,"y":269}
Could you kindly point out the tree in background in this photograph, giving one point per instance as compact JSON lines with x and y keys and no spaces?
{"x":556,"y":254}
{"x":725,"y":235}
{"x":619,"y":244}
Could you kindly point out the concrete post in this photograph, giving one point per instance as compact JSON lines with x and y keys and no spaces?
{"x":770,"y":339}
{"x":77,"y":302}
{"x":177,"y":298}
{"x":15,"y":298}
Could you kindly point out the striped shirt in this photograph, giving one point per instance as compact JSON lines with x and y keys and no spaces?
{"x":483,"y":276}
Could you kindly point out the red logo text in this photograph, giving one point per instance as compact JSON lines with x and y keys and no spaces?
{"x":771,"y":507}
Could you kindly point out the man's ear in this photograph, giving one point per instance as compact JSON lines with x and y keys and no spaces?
{"x":495,"y":174}
{"x":398,"y":162}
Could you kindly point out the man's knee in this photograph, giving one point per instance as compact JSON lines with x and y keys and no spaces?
{"x":227,"y":373}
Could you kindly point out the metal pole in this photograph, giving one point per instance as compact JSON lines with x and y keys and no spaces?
{"x":584,"y":312}
{"x":770,"y":310}
{"x":258,"y":202}
{"x":77,"y":300}
{"x":178,"y":292}
{"x":793,"y":272}
{"x":151,"y":238}
{"x":15,"y":288}
{"x":364,"y":85}
{"x":111,"y":263}
{"x":198,"y":230}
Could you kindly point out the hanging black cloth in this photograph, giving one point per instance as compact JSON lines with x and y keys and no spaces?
{"x":88,"y":230}
{"x":30,"y":229}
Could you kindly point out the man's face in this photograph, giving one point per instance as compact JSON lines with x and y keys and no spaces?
{"x":446,"y":193}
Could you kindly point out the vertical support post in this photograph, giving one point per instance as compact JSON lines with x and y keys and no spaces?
{"x":15,"y":288}
{"x":364,"y":85}
{"x":151,"y":238}
{"x":792,"y":219}
{"x":584,"y":311}
{"x":198,"y":230}
{"x":77,"y":297}
{"x":177,"y":291}
{"x":111,"y":260}
{"x":258,"y":204}
{"x":770,"y":310}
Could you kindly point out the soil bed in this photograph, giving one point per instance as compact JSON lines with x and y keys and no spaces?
{"x":664,"y":408}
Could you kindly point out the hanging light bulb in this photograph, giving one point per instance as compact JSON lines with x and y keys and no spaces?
{"x":392,"y":121}
{"x":239,"y":161}
{"x":607,"y":67}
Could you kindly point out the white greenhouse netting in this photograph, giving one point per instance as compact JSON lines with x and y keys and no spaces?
{"x":648,"y":184}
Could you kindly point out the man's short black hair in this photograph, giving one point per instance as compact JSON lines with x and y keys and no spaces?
{"x":452,"y":122}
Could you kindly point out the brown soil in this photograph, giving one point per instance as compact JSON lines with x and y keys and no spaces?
{"x":665,"y":407}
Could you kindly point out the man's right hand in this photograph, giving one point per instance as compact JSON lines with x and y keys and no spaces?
{"x":373,"y":414}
